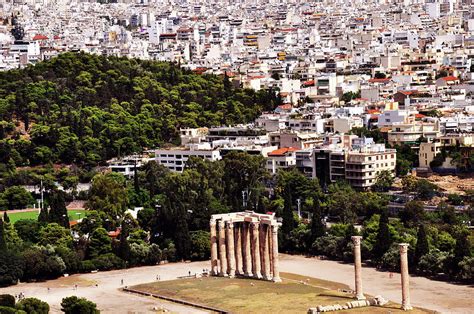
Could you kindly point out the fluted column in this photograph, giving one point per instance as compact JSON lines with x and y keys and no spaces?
{"x":238,"y":249}
{"x":266,"y":252}
{"x":405,"y":277}
{"x":358,"y":268}
{"x":247,"y":249}
{"x":213,"y":230}
{"x":222,"y":250}
{"x":255,"y":250}
{"x":275,"y":258}
{"x":230,"y":248}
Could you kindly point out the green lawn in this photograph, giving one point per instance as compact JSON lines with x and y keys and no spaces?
{"x":256,"y":296}
{"x":73,"y":215}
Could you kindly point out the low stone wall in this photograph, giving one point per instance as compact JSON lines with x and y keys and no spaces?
{"x":200,"y":306}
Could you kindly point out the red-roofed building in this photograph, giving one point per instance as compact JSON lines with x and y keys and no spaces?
{"x":379,"y":80}
{"x":284,"y":108}
{"x":40,"y":37}
{"x":282,"y":158}
{"x":447,"y":81}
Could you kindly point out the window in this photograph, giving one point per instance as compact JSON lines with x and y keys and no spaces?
{"x":179,"y":168}
{"x":432,"y":149}
{"x":178,"y":156}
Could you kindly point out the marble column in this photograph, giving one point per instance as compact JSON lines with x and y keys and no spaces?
{"x":214,"y":258}
{"x":255,"y":250}
{"x":405,"y":277}
{"x":230,"y":248}
{"x":358,"y":268}
{"x":270,"y":248}
{"x":266,"y":252}
{"x":247,"y":249}
{"x":222,"y":249}
{"x":275,"y":261}
{"x":238,"y":249}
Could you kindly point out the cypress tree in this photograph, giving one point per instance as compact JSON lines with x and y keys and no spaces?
{"x":182,"y":237}
{"x":58,"y":210}
{"x":383,"y":239}
{"x":318,"y":228}
{"x":422,"y":246}
{"x":5,"y":217}
{"x":289,"y":221}
{"x":43,"y":216}
{"x":3,"y":241}
{"x":124,"y":246}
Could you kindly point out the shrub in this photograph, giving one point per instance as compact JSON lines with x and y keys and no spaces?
{"x":33,"y":306}
{"x":75,"y":305}
{"x":7,"y":300}
{"x":108,"y":262}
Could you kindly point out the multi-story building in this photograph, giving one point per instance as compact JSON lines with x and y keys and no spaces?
{"x":175,"y":158}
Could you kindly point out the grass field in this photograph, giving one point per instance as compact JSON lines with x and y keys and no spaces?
{"x":255,"y":296}
{"x":73,"y":215}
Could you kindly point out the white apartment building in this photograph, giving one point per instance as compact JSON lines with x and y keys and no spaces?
{"x":363,"y":166}
{"x":175,"y":158}
{"x":410,"y":133}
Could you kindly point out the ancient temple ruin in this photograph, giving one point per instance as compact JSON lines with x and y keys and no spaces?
{"x":245,"y":244}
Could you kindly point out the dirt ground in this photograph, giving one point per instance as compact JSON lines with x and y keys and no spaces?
{"x":453,"y":184}
{"x":426,"y":293}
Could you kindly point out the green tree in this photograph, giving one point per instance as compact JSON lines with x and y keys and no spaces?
{"x":11,"y":268}
{"x":99,"y":243}
{"x":200,"y":245}
{"x":28,"y":230}
{"x":5,"y":217}
{"x":3,"y":241}
{"x":412,"y":214}
{"x":422,"y":246}
{"x":58,"y":210}
{"x":55,"y":235}
{"x":383,"y":240}
{"x":108,"y":195}
{"x":43,"y":217}
{"x":16,"y":197}
{"x":383,"y":181}
{"x":318,"y":227}
{"x":42,"y":263}
{"x":75,"y":305}
{"x":32,"y":306}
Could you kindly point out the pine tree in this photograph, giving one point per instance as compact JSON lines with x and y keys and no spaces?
{"x":383,"y":241}
{"x":58,"y":210}
{"x":422,"y":246}
{"x":5,"y":217}
{"x":3,"y":242}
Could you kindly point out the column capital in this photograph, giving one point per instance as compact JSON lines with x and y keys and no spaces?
{"x":212,"y":222}
{"x":356,"y":240}
{"x":275,"y":228}
{"x":230,"y":224}
{"x":221,"y":223}
{"x":403,"y":247}
{"x":254,"y":224}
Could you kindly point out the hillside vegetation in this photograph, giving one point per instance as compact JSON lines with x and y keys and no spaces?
{"x":84,"y":109}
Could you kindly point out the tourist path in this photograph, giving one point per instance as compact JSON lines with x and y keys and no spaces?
{"x":435,"y":295}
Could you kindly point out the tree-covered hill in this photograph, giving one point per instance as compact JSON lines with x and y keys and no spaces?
{"x":81,"y":108}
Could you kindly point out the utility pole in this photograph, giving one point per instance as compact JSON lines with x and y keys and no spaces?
{"x":298,"y":201}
